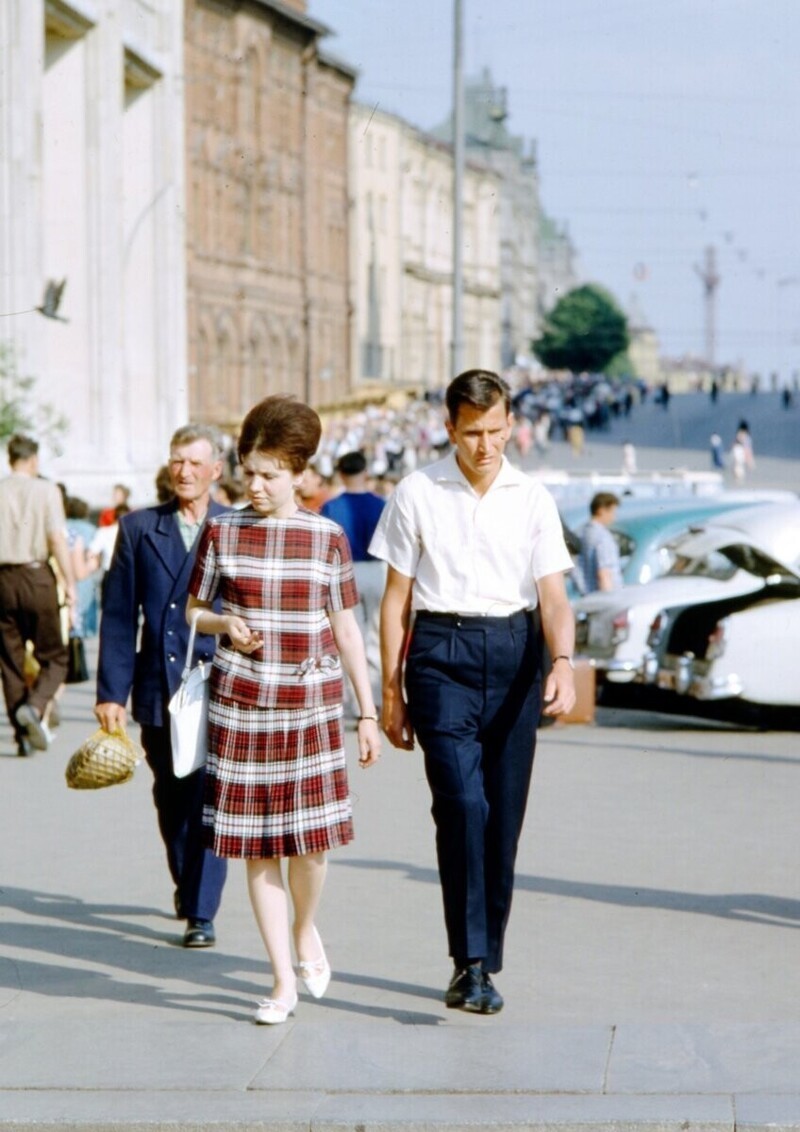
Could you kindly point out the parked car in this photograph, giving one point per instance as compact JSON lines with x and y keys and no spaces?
{"x":738,"y":647}
{"x":611,"y":628}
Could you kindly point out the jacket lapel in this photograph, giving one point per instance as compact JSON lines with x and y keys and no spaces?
{"x":168,"y":544}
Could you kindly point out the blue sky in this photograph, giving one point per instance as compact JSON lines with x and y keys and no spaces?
{"x":663,"y":127}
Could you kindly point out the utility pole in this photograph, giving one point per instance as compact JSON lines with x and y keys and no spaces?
{"x":458,"y":190}
{"x":711,"y":280}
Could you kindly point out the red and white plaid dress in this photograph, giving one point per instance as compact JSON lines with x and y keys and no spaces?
{"x":276,"y":780}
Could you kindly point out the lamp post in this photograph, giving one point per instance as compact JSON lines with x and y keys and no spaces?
{"x":458,"y":190}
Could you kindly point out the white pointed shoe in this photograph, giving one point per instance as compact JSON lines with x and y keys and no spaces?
{"x":317,"y":974}
{"x":271,"y":1012}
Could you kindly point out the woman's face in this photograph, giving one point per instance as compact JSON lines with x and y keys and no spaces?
{"x":270,"y":484}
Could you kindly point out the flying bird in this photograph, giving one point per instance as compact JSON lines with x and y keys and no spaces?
{"x":52,"y":300}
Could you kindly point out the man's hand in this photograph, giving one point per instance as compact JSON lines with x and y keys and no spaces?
{"x":111,"y":717}
{"x":395,"y":721}
{"x":559,"y":690}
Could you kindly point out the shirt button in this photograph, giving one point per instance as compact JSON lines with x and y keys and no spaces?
{"x":171,"y":657}
{"x":173,"y":605}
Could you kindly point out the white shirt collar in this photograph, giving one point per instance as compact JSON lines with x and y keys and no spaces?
{"x":448,"y":471}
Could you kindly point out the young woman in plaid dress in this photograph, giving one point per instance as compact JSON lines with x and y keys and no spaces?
{"x":276,"y":775}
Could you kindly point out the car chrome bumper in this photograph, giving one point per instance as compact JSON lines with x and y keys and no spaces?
{"x":620,"y":671}
{"x":678,"y":676}
{"x":717,"y":687}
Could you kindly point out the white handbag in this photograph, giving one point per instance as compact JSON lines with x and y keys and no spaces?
{"x":188,"y":711}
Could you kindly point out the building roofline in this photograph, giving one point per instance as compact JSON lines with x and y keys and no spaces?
{"x":292,"y":16}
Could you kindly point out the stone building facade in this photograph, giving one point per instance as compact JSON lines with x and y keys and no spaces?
{"x":92,"y":193}
{"x":401,"y":183}
{"x":488,"y":140}
{"x":267,"y":227}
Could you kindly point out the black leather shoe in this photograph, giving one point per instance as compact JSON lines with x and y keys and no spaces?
{"x":465,"y":991}
{"x":492,"y":999}
{"x":199,"y":933}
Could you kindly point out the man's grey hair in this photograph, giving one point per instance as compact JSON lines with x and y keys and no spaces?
{"x":187,"y":434}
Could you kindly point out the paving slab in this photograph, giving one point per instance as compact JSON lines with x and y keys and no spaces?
{"x":465,"y":1059}
{"x":706,"y":1059}
{"x":754,"y":1112}
{"x":295,"y":1112}
{"x":443,"y":1113}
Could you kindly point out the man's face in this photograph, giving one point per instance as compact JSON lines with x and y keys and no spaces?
{"x":480,"y":437}
{"x":607,"y":515}
{"x":192,"y":470}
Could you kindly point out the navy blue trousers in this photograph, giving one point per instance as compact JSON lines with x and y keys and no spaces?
{"x":473,"y":686}
{"x":198,"y":875}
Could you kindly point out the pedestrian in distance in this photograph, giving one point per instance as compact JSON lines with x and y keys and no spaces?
{"x":143,"y":644}
{"x":599,"y":560}
{"x":119,"y":494}
{"x":357,"y":510}
{"x":32,"y":531}
{"x":276,"y":776}
{"x":717,"y":451}
{"x":476,"y":558}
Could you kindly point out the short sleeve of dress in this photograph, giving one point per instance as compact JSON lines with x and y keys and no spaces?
{"x":396,"y":539}
{"x":342,"y":590}
{"x":204,"y":582}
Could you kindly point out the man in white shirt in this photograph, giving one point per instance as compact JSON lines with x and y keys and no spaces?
{"x":476,"y":554}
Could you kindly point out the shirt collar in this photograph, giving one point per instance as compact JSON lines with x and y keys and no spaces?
{"x":449,"y":472}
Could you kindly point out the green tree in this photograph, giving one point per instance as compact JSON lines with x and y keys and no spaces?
{"x":583,"y":333}
{"x":19,"y":410}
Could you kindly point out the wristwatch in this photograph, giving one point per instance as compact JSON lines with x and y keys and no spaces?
{"x":568,"y":659}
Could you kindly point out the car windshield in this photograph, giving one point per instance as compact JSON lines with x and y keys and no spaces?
{"x":713,"y":565}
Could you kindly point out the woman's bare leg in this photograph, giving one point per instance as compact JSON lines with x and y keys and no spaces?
{"x":271,"y":908}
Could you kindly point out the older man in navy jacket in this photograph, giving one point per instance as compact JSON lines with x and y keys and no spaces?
{"x":143,"y":643}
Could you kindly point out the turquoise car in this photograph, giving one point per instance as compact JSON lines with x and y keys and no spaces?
{"x":646,"y":528}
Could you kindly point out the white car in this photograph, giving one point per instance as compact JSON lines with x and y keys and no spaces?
{"x":739,"y":648}
{"x":612,"y":628}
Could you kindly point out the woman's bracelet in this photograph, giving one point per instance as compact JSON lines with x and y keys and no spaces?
{"x":359,"y":718}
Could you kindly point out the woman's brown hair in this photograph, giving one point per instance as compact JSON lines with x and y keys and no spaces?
{"x":283,"y":426}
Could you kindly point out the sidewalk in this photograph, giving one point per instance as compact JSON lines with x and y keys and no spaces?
{"x":651,"y":976}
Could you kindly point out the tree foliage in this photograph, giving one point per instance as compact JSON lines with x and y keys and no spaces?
{"x":21,"y":412}
{"x":584,"y":331}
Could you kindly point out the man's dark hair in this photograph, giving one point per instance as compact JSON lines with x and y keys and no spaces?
{"x":76,"y":508}
{"x":351,"y":464}
{"x":602,"y":500}
{"x":21,"y":448}
{"x":480,"y":388}
{"x":284,"y":427}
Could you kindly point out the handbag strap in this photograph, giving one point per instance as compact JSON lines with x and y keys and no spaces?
{"x":187,"y":668}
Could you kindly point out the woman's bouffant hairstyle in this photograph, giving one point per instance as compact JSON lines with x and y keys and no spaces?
{"x":283,"y":426}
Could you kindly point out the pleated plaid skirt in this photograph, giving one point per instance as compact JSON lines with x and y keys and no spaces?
{"x":276,"y":781}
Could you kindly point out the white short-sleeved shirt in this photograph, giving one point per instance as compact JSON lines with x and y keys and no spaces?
{"x":469,"y":553}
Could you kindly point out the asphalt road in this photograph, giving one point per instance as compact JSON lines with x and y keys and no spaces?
{"x":677,"y":437}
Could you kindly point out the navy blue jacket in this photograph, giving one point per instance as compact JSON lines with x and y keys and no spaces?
{"x":143,"y":630}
